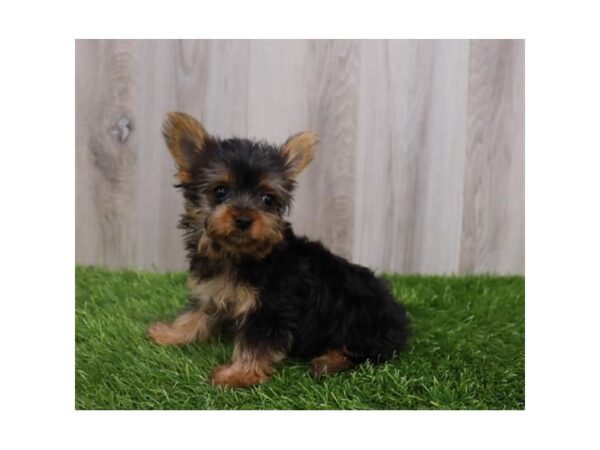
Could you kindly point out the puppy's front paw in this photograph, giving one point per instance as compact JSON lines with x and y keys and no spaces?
{"x":162,"y":333}
{"x":220,"y":375}
{"x":236,"y":376}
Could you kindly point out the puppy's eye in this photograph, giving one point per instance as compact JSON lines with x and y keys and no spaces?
{"x":221,"y":192}
{"x":268,"y":199}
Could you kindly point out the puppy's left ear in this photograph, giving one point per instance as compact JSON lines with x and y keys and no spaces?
{"x":299,"y":151}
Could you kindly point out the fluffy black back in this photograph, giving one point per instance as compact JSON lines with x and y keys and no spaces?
{"x":318,"y":302}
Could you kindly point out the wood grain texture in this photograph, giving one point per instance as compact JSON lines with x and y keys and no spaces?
{"x":494,"y":209}
{"x":172,"y":77}
{"x":411,"y":155}
{"x":420,"y":166}
{"x":324,"y":203}
{"x":106,"y":153}
{"x":278,"y":89}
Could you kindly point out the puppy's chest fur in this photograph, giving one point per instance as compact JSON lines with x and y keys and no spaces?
{"x":223,"y":294}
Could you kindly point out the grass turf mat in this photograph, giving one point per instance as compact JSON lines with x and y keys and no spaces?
{"x":467,"y":351}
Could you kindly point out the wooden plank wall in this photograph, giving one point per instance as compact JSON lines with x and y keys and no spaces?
{"x":420,"y":167}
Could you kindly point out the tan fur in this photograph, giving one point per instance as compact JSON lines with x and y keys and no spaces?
{"x":205,"y":247}
{"x":217,"y":298}
{"x":221,"y":222}
{"x":266,"y":228}
{"x":249,"y":366}
{"x":191,"y":326}
{"x":299,"y":151}
{"x":184,"y":135}
{"x":196,"y":214}
{"x":264,"y":233}
{"x":331,"y":362}
{"x":223,"y":296}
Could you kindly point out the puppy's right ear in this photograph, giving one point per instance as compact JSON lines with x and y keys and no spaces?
{"x":186,"y":139}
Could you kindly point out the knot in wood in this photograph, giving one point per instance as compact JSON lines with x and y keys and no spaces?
{"x":121,"y":129}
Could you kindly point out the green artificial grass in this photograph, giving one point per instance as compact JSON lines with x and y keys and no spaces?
{"x":467,"y":351}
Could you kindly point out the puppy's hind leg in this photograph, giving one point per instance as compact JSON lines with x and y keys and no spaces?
{"x":331,"y":362}
{"x":194,"y":325}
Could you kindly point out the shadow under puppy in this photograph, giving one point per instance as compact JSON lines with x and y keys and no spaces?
{"x":280,"y":293}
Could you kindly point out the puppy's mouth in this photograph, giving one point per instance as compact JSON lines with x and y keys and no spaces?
{"x":236,"y":238}
{"x":239,"y":244}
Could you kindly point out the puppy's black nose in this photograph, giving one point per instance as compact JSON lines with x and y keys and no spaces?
{"x":243,"y":222}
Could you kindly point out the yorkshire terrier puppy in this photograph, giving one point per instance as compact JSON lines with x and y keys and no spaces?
{"x":281,"y":294}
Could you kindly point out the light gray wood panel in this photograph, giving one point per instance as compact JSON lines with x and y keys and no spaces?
{"x":87,"y":249}
{"x":374,"y":208}
{"x":324,"y":204}
{"x":420,"y":166}
{"x":411,"y":155}
{"x":438,"y":201}
{"x":172,"y":77}
{"x":106,"y":153}
{"x":493,"y":224}
{"x":225,"y":109}
{"x":278,"y":89}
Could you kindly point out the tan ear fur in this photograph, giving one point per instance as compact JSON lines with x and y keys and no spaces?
{"x":299,"y":151}
{"x":186,"y":138}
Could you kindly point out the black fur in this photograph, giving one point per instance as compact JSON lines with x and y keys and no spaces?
{"x":310,"y":301}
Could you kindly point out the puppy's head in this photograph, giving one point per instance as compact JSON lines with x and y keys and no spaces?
{"x":236,"y":190}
